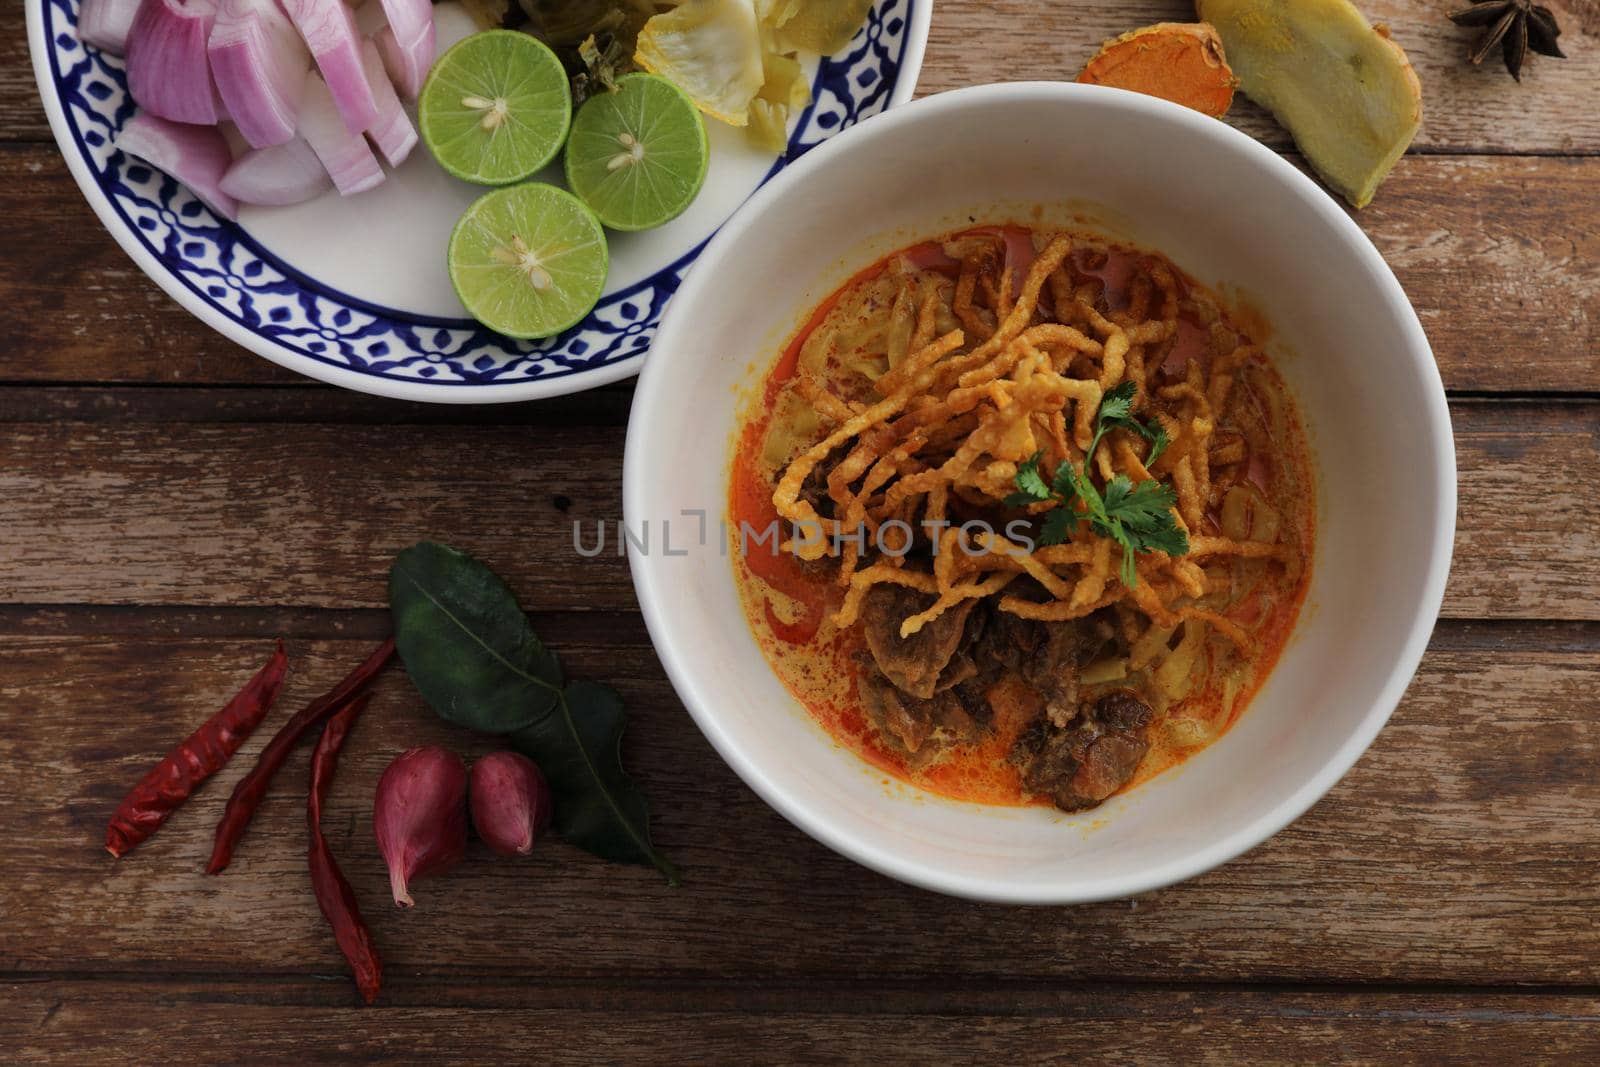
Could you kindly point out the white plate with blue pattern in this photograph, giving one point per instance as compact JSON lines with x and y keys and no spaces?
{"x":354,"y":291}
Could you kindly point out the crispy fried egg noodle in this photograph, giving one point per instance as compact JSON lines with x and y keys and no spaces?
{"x":956,"y":414}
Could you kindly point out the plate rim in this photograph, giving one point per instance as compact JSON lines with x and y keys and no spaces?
{"x":917,"y":29}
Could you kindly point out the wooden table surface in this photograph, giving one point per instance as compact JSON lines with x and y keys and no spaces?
{"x":170,"y":503}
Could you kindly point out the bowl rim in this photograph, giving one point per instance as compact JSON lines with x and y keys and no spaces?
{"x":499,"y":393}
{"x":841,"y":837}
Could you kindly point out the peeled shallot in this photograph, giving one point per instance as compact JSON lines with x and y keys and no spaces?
{"x":420,"y":817}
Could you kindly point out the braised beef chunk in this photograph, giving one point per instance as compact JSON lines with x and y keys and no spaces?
{"x":1008,"y":641}
{"x":1123,"y":710}
{"x":915,"y":723}
{"x":1046,"y":654}
{"x":914,"y":663}
{"x":960,"y":669}
{"x":1092,"y":757}
{"x":932,"y":689}
{"x":887,"y":707}
{"x":1053,"y":670}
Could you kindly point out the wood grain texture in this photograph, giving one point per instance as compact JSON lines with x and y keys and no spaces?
{"x":50,"y":1022}
{"x":21,"y":114}
{"x":78,"y":308}
{"x":1461,"y":848}
{"x":1465,"y":108}
{"x":1491,"y":250}
{"x":246,"y":513}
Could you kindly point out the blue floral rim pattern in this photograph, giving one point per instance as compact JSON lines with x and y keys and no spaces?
{"x":223,"y":267}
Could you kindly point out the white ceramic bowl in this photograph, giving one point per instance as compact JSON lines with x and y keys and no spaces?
{"x":1236,"y":217}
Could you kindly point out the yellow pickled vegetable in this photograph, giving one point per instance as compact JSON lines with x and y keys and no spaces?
{"x":712,"y":50}
{"x":821,"y":26}
{"x":783,"y":92}
{"x":769,"y":125}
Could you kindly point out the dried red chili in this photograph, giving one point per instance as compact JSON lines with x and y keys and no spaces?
{"x":202,"y":754}
{"x":334,"y":895}
{"x":247,"y":795}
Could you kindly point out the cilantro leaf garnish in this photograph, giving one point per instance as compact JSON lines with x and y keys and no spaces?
{"x":1064,"y":485}
{"x":1157,"y":436}
{"x":1058,"y":523}
{"x":1030,"y":484}
{"x":1137,"y":517}
{"x":1117,"y":405}
{"x":1116,"y":409}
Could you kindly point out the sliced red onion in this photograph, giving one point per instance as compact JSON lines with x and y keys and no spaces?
{"x":408,"y":18}
{"x":370,"y":18}
{"x":329,"y":30}
{"x":344,"y":155}
{"x":168,"y":73}
{"x":197,"y":156}
{"x":393,"y":133}
{"x":259,"y":63}
{"x":407,"y":63}
{"x":284,"y":174}
{"x":105,"y":23}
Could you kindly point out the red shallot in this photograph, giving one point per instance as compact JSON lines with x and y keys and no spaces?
{"x":197,"y":156}
{"x":347,"y":157}
{"x":169,"y":74}
{"x":420,"y":817}
{"x":511,"y":802}
{"x":329,"y":30}
{"x":283,"y":174}
{"x":409,"y":19}
{"x":393,"y":133}
{"x":407,"y":61}
{"x":105,"y":24}
{"x":259,"y":64}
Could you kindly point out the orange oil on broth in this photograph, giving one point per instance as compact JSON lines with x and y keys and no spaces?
{"x":789,"y":604}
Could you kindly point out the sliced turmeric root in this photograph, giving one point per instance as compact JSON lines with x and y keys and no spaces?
{"x":1178,"y":61}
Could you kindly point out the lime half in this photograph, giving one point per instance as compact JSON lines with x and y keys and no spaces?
{"x":495,"y":107}
{"x":528,"y":261}
{"x":638,"y":155}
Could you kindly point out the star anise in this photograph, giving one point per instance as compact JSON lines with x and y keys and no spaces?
{"x":1516,"y":26}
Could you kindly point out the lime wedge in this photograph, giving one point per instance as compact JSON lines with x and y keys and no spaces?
{"x":528,"y":261}
{"x":495,"y":107}
{"x":638,"y":155}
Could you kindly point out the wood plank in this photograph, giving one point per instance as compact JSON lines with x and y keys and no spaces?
{"x":77,"y":306}
{"x":1493,"y":252}
{"x":57,"y":1022}
{"x":1461,"y":849}
{"x":599,"y":410}
{"x":1554,"y":553}
{"x":21,"y":114}
{"x":1498,"y":256}
{"x":972,"y":42}
{"x":132,"y":511}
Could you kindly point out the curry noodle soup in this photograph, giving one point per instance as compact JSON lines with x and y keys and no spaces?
{"x":1046,"y":516}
